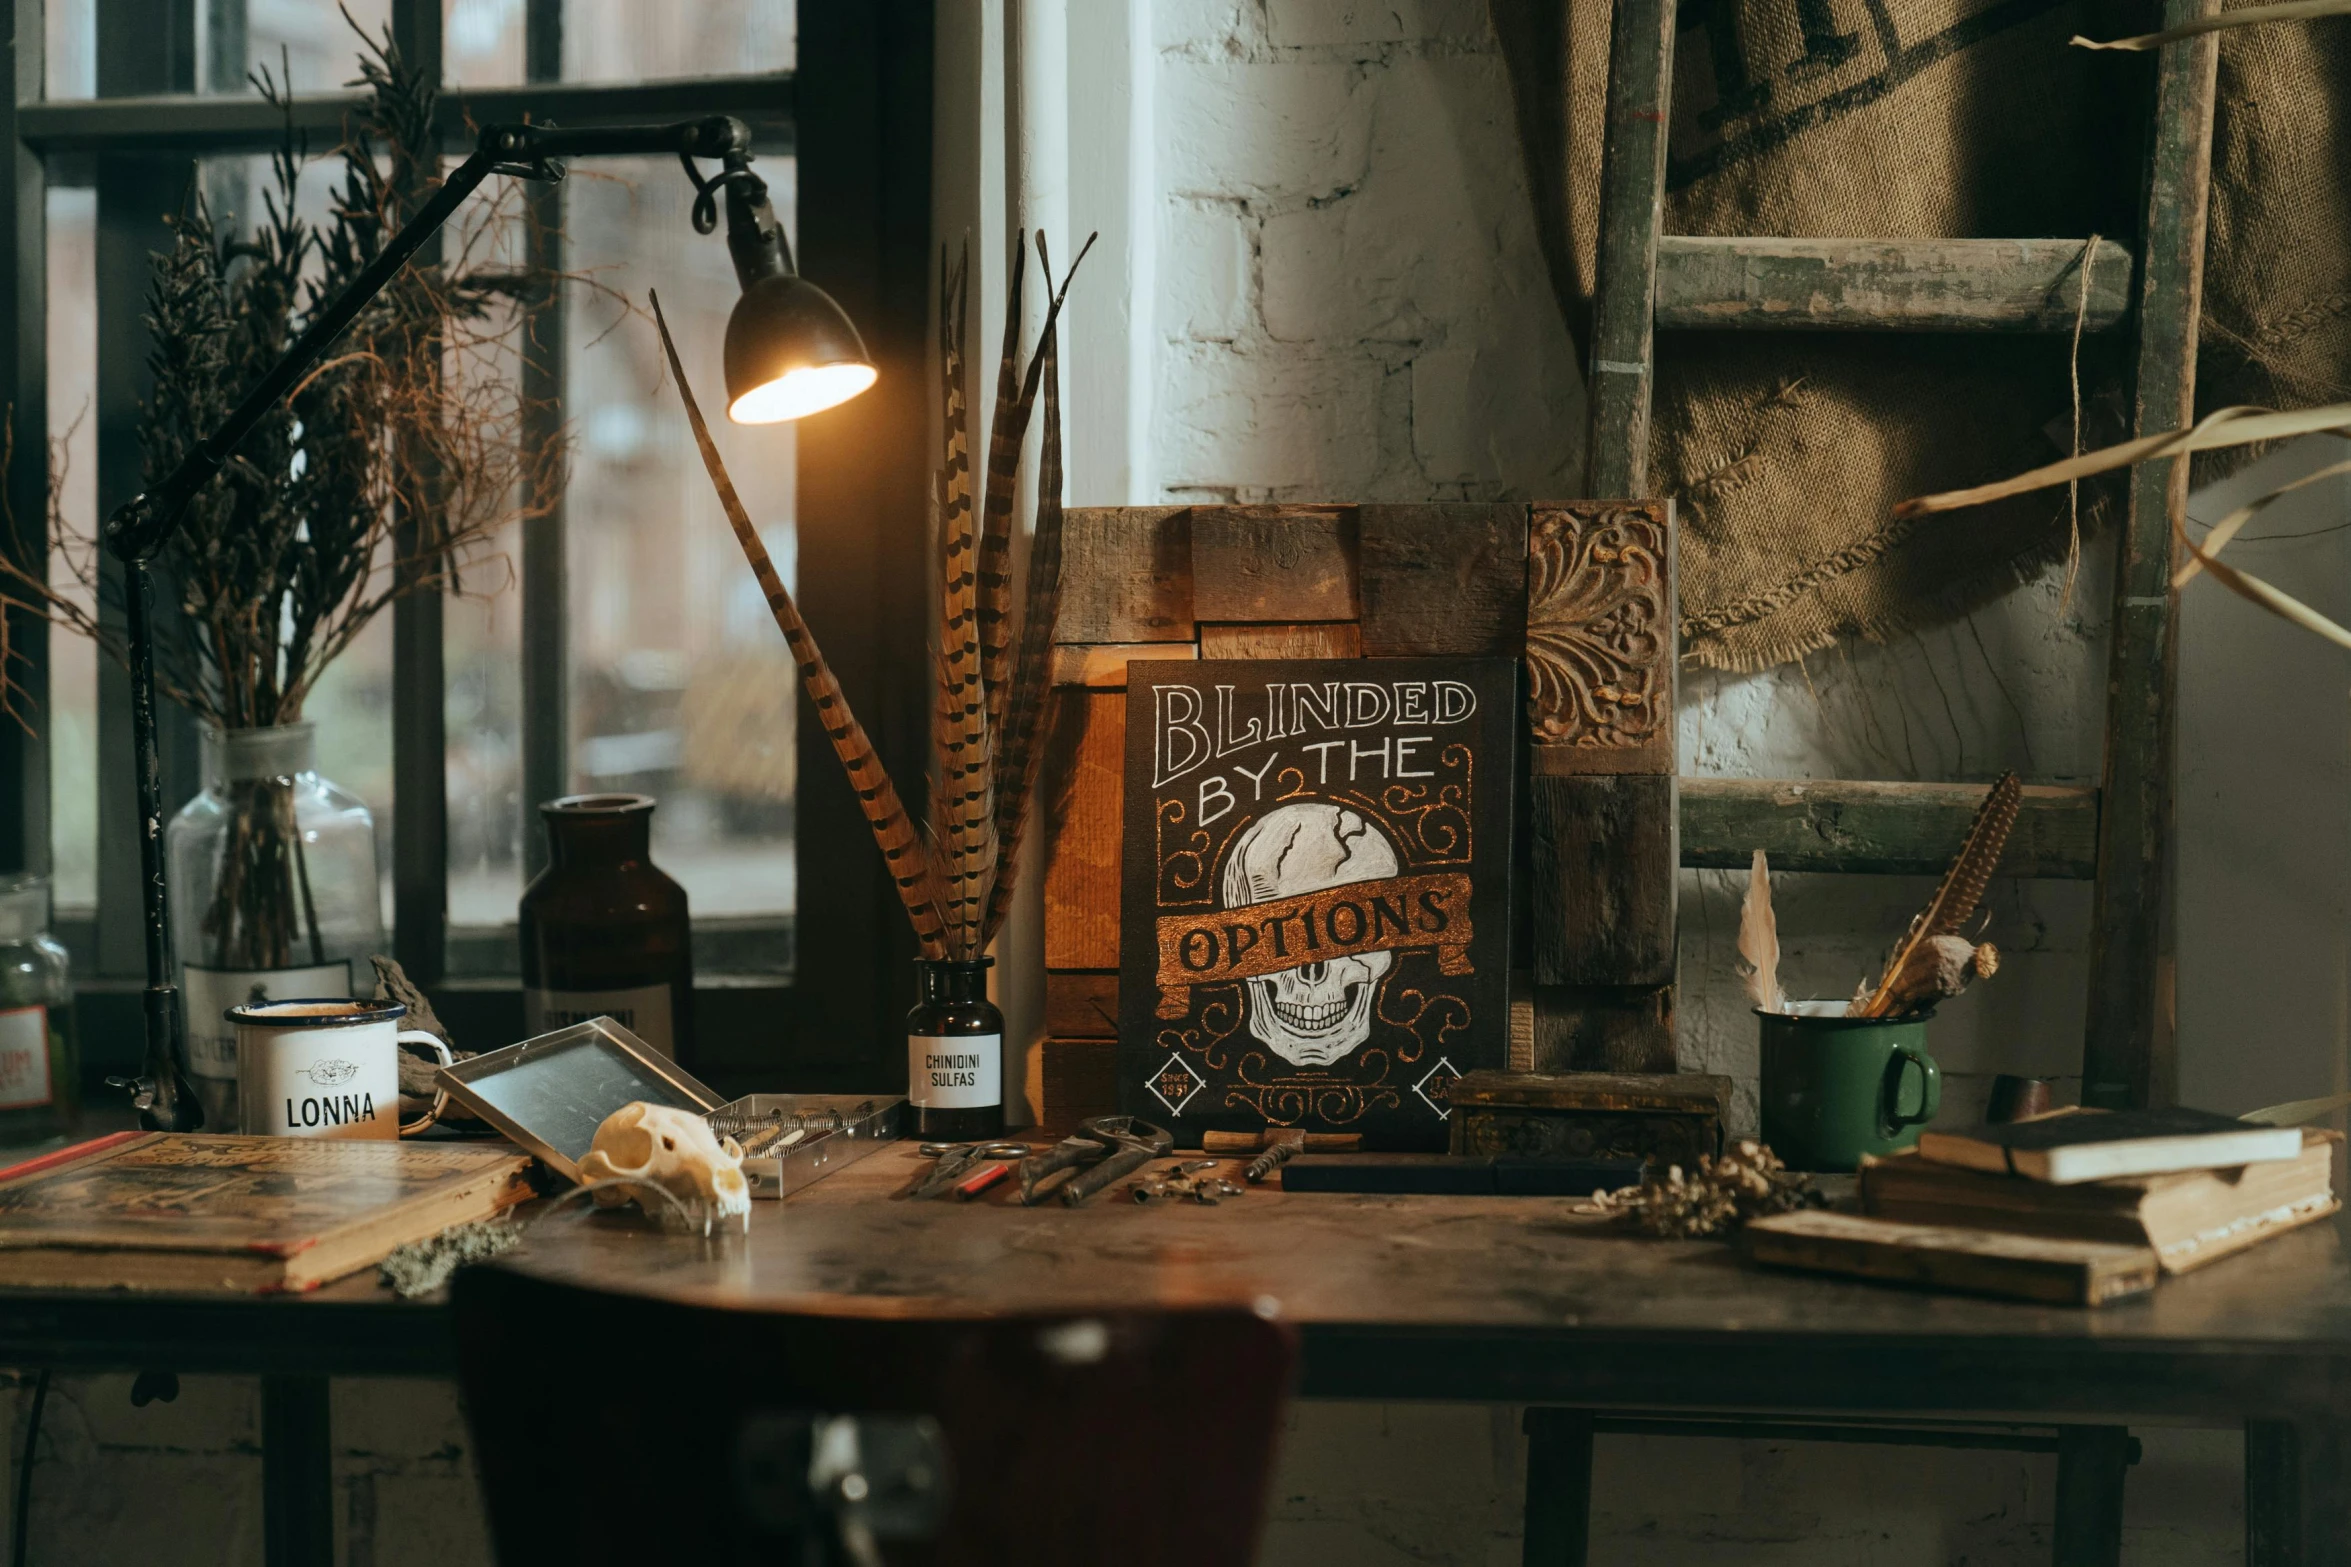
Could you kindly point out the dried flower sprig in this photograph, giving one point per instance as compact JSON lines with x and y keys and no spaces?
{"x":1715,"y":1197}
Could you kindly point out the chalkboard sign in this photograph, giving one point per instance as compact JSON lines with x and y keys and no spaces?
{"x":1316,"y":892}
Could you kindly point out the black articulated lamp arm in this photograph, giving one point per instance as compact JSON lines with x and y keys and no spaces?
{"x":137,"y":532}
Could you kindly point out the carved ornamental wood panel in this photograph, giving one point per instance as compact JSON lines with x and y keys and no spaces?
{"x":1600,"y":637}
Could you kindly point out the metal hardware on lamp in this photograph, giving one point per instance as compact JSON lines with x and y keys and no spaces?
{"x":790,"y":351}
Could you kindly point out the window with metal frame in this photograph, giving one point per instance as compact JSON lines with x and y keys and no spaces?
{"x":630,"y":650}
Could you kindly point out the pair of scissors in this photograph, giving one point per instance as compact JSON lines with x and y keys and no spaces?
{"x":956,"y":1160}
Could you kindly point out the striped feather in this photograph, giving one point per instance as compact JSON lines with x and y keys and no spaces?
{"x":1961,"y":889}
{"x":1023,"y":747}
{"x":964,"y":814}
{"x":1007,"y":428}
{"x":910,"y":866}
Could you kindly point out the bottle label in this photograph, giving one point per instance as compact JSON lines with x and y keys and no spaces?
{"x":210,"y":992}
{"x":24,"y":1057}
{"x":643,"y":1011}
{"x":955,"y":1071}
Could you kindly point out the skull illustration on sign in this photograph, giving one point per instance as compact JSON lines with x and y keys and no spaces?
{"x":1315,"y":1013}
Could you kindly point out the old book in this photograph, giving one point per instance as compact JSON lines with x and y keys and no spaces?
{"x":2097,"y":1145}
{"x":247,"y":1215}
{"x":1978,"y":1262}
{"x":2189,"y":1217}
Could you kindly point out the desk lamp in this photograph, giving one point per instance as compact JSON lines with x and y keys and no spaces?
{"x":790,"y":352}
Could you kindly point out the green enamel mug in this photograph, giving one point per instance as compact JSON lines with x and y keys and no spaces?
{"x":1835,"y":1087}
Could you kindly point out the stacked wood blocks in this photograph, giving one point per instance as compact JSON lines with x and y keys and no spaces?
{"x":1581,"y":591}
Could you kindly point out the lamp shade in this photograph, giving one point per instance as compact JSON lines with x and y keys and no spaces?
{"x":791,"y":351}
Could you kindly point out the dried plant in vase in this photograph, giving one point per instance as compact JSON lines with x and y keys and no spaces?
{"x":387,"y":472}
{"x":956,"y":876}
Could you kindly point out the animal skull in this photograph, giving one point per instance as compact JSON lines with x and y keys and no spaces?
{"x":659,"y":1149}
{"x":1315,"y":1013}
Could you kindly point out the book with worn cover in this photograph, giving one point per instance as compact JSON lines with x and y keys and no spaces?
{"x":247,"y":1215}
{"x":2097,"y":1145}
{"x":2189,"y":1217}
{"x":1977,"y":1262}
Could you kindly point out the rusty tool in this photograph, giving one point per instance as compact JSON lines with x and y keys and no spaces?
{"x":1280,"y":1147}
{"x":1188,"y":1179}
{"x":1103,"y":1150}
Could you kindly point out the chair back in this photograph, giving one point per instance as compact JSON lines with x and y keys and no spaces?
{"x":612,"y":1427}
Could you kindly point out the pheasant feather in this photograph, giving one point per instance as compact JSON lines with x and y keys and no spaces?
{"x":964,"y":812}
{"x":1961,"y":889}
{"x":910,"y":866}
{"x":1023,"y":753}
{"x":1759,"y":939}
{"x":1007,"y":429}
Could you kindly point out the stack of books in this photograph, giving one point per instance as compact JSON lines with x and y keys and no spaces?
{"x":2079,"y":1207}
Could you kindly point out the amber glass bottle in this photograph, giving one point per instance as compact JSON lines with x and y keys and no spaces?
{"x":955,"y":1054}
{"x":604,"y":931}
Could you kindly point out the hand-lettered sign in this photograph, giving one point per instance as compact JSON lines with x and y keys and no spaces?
{"x":1316,"y":892}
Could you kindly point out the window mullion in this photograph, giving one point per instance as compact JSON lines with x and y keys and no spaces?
{"x":546,"y":630}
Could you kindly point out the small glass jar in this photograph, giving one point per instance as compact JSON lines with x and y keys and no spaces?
{"x":40,"y":1069}
{"x":955,"y":1054}
{"x":604,"y":932}
{"x":274,"y":894}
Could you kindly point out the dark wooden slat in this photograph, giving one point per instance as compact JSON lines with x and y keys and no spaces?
{"x":1077,"y":1081}
{"x":1444,"y":579}
{"x":1102,"y":666}
{"x":297,"y":1472}
{"x":1604,"y":896}
{"x":1081,"y":1003}
{"x":1312,"y":639}
{"x":24,"y":763}
{"x":1632,"y":196}
{"x":2121,"y":1048}
{"x":2273,"y":1501}
{"x":1273,"y":563}
{"x":1604,"y":1028}
{"x":1126,"y":575}
{"x":1908,"y":829}
{"x":1082,"y":804}
{"x":1888,"y":285}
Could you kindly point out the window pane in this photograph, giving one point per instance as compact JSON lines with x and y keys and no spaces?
{"x":306,"y":40}
{"x":679,"y":681}
{"x":71,"y":45}
{"x":72,"y":729}
{"x":627,"y":40}
{"x":621,"y":40}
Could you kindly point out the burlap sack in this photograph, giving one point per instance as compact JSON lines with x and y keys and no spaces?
{"x":1886,"y":118}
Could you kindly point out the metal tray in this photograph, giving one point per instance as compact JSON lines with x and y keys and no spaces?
{"x":836,"y":1130}
{"x":549,"y":1094}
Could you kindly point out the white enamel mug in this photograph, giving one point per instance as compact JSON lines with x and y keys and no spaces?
{"x":326,"y":1068}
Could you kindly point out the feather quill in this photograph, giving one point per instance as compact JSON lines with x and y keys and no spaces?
{"x":963,"y":814}
{"x":1023,"y":752}
{"x":1961,"y":889}
{"x":1007,"y":429}
{"x":902,"y":849}
{"x":1759,"y":939}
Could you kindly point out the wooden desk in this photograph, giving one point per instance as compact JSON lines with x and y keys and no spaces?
{"x":1512,"y":1300}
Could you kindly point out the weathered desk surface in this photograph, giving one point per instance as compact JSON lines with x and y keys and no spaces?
{"x":1465,"y":1299}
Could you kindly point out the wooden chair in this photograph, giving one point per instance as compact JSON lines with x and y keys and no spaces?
{"x":617,"y":1428}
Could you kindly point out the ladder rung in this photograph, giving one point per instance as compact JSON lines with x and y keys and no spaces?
{"x":1893,"y":828}
{"x":1887,"y":285}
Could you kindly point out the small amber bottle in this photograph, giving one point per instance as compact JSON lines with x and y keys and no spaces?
{"x":603,"y":931}
{"x":40,"y":1070}
{"x":955,"y":1054}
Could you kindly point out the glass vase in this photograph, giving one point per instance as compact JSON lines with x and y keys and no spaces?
{"x":603,"y":931}
{"x":40,"y":1070}
{"x":274,"y":894}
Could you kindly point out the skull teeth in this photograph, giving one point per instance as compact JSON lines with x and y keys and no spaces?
{"x":1313,"y":1018}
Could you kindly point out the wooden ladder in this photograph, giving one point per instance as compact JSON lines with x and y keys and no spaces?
{"x":1647,"y":280}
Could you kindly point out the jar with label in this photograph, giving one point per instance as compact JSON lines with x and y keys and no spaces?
{"x":604,"y":932}
{"x":274,"y":894}
{"x":955,"y":1054}
{"x":40,"y":1070}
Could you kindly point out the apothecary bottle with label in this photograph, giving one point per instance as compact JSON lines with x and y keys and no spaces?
{"x":955,"y":1054}
{"x":604,"y":932}
{"x":274,"y":895}
{"x":40,"y":1069}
